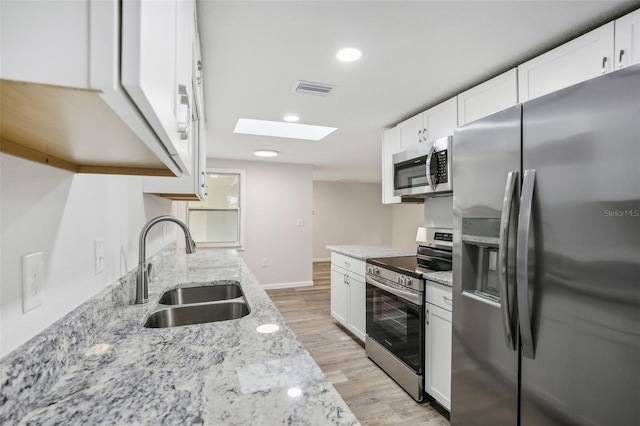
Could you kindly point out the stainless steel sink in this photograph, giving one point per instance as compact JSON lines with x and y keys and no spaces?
{"x":200,"y":294}
{"x":196,"y":314}
{"x":198,"y":304}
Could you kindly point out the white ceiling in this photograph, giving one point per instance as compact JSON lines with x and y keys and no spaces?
{"x":416,"y":54}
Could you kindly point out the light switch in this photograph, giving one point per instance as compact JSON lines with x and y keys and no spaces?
{"x":300,"y":222}
{"x":32,"y":280}
{"x":98,"y":258}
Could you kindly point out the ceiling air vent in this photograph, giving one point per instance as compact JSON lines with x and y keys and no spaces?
{"x":310,"y":88}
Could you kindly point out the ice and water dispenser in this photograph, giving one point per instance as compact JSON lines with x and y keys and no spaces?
{"x":480,"y":242}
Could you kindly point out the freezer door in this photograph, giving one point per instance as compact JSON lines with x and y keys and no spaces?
{"x":484,"y":365}
{"x":583,"y":291}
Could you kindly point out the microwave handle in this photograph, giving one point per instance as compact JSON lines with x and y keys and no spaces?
{"x":430,"y":181}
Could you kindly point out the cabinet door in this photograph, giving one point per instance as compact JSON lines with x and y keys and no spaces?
{"x":581,"y":59}
{"x":149,"y":59}
{"x":491,"y":96}
{"x":440,"y":120}
{"x":357,"y":302}
{"x":411,"y":132}
{"x":339,"y":295}
{"x":391,"y":144}
{"x":438,"y":354}
{"x":627,"y":40}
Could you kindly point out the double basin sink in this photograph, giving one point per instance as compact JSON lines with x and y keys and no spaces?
{"x":199,"y":303}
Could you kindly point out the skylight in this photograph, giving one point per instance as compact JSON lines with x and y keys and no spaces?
{"x":280,"y":129}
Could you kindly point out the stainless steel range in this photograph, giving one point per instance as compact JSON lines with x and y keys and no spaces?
{"x":395,"y":308}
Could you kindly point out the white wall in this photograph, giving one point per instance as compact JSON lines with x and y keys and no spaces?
{"x":406,"y":218}
{"x":61,"y":214}
{"x":276,"y":196}
{"x":349,"y":213}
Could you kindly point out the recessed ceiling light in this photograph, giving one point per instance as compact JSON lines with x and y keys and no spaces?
{"x":291,"y":118}
{"x":349,"y":54}
{"x":279,"y":129}
{"x":265,"y":153}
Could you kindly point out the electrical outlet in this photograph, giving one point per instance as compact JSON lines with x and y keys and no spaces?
{"x":98,"y":258}
{"x":32,"y":280}
{"x":264,"y":263}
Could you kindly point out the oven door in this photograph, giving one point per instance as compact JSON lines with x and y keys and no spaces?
{"x":395,"y":321}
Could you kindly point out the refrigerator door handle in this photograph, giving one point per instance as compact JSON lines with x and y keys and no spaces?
{"x":522,"y":263}
{"x":505,"y":223}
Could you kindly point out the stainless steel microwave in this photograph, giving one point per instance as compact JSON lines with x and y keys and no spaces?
{"x":424,"y":171}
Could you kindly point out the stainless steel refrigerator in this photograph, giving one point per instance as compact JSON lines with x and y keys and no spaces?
{"x":546,"y":267}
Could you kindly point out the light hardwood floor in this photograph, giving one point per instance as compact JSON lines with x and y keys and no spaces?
{"x":374,"y":397}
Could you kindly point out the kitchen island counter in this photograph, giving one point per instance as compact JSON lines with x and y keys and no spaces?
{"x":220,"y":373}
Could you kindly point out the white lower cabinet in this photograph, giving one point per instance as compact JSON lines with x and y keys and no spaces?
{"x":348,"y":293}
{"x":438,"y":317}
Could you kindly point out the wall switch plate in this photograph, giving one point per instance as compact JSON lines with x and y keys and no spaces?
{"x":300,"y":222}
{"x":32,"y":280}
{"x":98,"y":258}
{"x":263,"y":263}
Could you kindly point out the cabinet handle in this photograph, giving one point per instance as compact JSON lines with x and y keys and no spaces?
{"x":199,"y":78}
{"x":419,"y":136}
{"x":604,"y":65}
{"x":425,"y":134}
{"x":620,"y":58}
{"x":427,"y":317}
{"x":346,"y":279}
{"x":347,"y":264}
{"x":447,"y":299}
{"x":184,"y":112}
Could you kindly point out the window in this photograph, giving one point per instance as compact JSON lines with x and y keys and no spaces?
{"x":218,"y":220}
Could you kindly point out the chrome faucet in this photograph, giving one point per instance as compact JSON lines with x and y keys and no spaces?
{"x":142,"y":275}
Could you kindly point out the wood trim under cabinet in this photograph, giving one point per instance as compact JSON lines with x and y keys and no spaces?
{"x":72,"y":129}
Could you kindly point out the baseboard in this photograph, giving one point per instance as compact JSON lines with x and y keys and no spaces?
{"x":322,"y":259}
{"x":287,"y":285}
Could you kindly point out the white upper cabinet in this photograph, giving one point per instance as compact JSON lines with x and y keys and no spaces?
{"x":583,"y":58}
{"x":391,"y":144}
{"x":434,"y":123}
{"x":156,"y":49}
{"x":627,"y":40}
{"x":191,"y":187}
{"x":491,"y":96}
{"x":441,"y":120}
{"x":62,"y":61}
{"x":411,"y":132}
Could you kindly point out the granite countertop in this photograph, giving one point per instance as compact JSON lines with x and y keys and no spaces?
{"x":222,"y":373}
{"x":440,"y":277}
{"x":365,"y":252}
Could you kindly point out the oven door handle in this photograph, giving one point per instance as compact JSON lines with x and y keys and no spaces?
{"x":405,"y":295}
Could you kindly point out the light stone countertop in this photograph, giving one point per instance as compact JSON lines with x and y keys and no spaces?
{"x":365,"y":252}
{"x":222,"y":373}
{"x":441,"y":277}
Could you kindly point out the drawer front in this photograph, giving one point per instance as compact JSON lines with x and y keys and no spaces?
{"x":351,"y":264}
{"x":439,"y":295}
